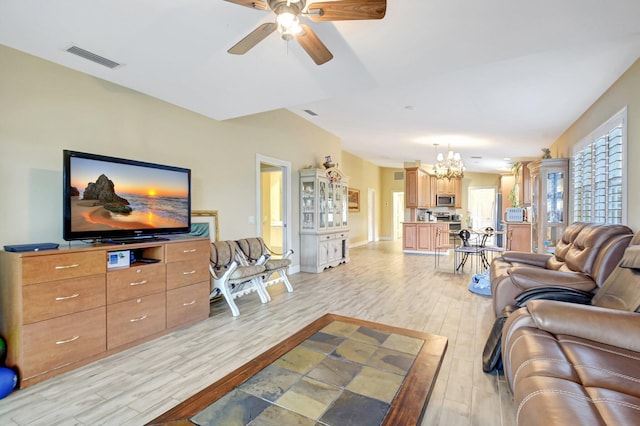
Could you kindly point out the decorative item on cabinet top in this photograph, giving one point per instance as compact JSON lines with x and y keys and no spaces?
{"x":328,"y":162}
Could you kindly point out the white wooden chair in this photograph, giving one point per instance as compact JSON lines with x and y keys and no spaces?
{"x":255,"y":251}
{"x":232,"y":279}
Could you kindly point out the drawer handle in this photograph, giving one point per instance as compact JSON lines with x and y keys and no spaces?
{"x":74,"y":265}
{"x":62,"y":342}
{"x":189,"y":273}
{"x":190,"y":251}
{"x":189,"y":304}
{"x":138,"y":283}
{"x":138,"y":319}
{"x":73,"y":296}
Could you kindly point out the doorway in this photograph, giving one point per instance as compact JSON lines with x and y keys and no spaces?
{"x":273,"y":202}
{"x":483,"y":208}
{"x":398,"y":214}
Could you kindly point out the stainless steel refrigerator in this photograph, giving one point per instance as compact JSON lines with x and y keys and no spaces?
{"x":499,"y":223}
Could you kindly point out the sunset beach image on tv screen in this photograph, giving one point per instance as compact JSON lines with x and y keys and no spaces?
{"x":113,"y":196}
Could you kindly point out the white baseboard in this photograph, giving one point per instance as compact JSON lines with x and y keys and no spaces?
{"x":294,"y":269}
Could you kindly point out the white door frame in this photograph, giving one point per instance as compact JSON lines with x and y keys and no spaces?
{"x":396,"y":221}
{"x":371,"y":216}
{"x":286,"y":198}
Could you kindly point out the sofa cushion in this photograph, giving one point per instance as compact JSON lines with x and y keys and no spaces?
{"x":223,"y":253}
{"x":252,"y":248}
{"x":562,"y":247}
{"x":566,"y":380}
{"x":587,"y":245}
{"x":274,"y":264}
{"x":246,"y":272}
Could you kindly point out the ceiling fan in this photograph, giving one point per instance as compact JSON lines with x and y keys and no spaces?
{"x":288,"y":22}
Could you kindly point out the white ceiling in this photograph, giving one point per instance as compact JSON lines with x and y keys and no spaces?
{"x":493,"y":78}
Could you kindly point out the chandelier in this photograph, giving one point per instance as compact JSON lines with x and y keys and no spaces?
{"x":451,"y":167}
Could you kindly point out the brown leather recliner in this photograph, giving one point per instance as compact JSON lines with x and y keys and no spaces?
{"x":583,"y":259}
{"x":579,"y":364}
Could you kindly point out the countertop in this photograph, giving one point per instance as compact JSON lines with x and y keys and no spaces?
{"x":440,"y":221}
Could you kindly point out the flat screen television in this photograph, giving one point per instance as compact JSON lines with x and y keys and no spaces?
{"x":111,"y":199}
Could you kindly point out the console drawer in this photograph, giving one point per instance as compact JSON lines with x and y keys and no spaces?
{"x":190,"y":250}
{"x":188,"y":304}
{"x":49,"y":300}
{"x":129,"y":283}
{"x":38,"y":269}
{"x":134,"y":319}
{"x":186,"y":272}
{"x":60,"y":341}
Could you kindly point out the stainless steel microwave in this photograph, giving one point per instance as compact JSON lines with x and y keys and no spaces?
{"x":445,"y":200}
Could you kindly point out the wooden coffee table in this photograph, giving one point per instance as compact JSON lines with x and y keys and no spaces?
{"x":336,"y":371}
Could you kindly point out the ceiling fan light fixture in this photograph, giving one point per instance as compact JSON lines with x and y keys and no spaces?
{"x":287,"y":19}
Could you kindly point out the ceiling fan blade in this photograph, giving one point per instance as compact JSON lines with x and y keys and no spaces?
{"x":259,"y":5}
{"x":312,"y":44}
{"x":253,"y":38}
{"x":347,"y":10}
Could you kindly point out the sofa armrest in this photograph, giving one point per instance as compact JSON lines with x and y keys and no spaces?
{"x":564,"y":294}
{"x":534,"y":259}
{"x":527,"y":278}
{"x":608,"y":326}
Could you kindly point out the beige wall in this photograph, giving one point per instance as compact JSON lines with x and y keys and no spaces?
{"x":363,"y":175}
{"x":45,"y":108}
{"x":625,"y":91}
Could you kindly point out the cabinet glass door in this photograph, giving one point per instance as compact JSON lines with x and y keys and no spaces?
{"x":555,"y":197}
{"x":322,"y":197}
{"x":308,"y":204}
{"x":330,"y":206}
{"x":345,"y":204}
{"x":338,"y":205}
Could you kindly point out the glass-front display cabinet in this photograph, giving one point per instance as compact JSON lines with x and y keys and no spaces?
{"x":324,"y":219}
{"x":549,"y":202}
{"x":323,"y":201}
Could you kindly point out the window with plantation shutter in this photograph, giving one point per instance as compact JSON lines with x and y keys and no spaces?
{"x":598,"y":173}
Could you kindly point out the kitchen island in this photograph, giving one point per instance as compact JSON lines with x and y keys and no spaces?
{"x":420,"y":236}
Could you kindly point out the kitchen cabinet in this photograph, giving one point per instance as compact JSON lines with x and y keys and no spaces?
{"x":518,"y":236}
{"x":421,"y":236}
{"x":324,"y":219}
{"x":417,"y":188}
{"x":449,"y":187}
{"x":549,"y":202}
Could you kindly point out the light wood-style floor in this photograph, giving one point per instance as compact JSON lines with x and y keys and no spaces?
{"x":380,"y":284}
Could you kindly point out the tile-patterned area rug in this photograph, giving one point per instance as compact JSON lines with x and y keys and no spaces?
{"x":337,"y":371}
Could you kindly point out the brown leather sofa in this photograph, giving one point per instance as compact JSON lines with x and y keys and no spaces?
{"x":573,"y":364}
{"x":583,"y":259}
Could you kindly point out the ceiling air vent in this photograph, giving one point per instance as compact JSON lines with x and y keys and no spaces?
{"x":308,"y":111}
{"x":398,"y":175}
{"x":93,"y":57}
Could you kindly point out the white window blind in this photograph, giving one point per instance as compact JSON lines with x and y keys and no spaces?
{"x":598,"y":173}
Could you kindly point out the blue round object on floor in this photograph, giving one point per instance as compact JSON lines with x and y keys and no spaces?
{"x":8,"y":381}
